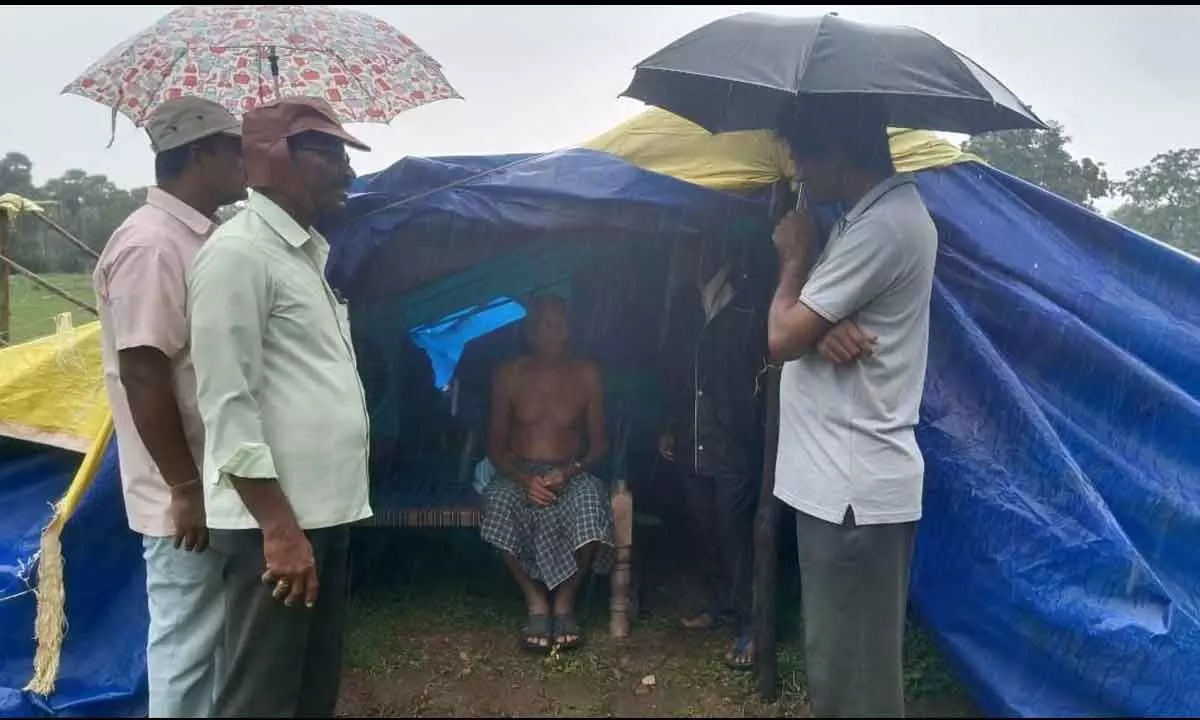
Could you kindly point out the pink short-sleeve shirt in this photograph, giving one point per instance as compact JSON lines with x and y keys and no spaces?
{"x":141,"y":293}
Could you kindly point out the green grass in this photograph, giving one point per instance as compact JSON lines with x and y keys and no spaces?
{"x":34,"y":307}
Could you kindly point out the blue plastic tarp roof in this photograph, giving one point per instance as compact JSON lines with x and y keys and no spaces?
{"x":559,"y":193}
{"x":1056,"y":561}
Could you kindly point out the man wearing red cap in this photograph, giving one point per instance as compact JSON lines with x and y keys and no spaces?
{"x":285,"y":453}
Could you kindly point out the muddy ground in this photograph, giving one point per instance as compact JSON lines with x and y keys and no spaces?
{"x":433,"y":634}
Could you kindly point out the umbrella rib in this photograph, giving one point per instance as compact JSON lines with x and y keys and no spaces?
{"x":345,"y":66}
{"x":713,"y":76}
{"x":164,"y":77}
{"x":979,"y":86}
{"x":802,"y":66}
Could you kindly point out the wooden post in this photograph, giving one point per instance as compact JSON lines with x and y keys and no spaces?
{"x":766,"y":551}
{"x":622,"y":513}
{"x":5,"y":294}
{"x":622,"y":510}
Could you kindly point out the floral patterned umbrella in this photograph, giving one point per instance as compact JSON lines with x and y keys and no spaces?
{"x":244,"y":55}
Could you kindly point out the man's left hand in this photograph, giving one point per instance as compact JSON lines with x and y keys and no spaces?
{"x":795,"y":236}
{"x":846,"y":342}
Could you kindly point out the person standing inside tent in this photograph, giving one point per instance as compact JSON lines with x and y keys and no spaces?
{"x":140,"y":282}
{"x":285,"y":419}
{"x":715,"y":433}
{"x":848,"y":460}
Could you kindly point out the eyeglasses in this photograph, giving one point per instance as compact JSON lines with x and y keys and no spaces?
{"x":336,"y":154}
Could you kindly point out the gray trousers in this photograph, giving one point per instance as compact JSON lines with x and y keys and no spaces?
{"x":854,"y":585}
{"x":281,"y":661}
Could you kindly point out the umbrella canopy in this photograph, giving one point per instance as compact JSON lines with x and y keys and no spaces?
{"x":743,"y":71}
{"x":244,"y":55}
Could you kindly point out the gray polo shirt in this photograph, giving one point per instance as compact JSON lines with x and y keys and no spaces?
{"x":846,"y":431}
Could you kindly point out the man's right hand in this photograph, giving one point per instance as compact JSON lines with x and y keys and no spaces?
{"x":537,"y":490}
{"x":666,"y":446}
{"x":187,"y":512}
{"x":290,"y":565}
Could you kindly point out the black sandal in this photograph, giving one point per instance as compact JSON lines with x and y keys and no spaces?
{"x":537,"y":628}
{"x":565,"y":625}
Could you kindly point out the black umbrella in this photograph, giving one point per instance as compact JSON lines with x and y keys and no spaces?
{"x":741,"y":72}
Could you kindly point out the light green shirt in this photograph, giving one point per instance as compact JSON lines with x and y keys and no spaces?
{"x":277,"y":384}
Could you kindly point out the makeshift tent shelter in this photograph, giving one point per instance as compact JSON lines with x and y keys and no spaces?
{"x":1055,"y":562}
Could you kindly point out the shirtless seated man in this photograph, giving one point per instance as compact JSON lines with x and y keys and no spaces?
{"x":545,"y":511}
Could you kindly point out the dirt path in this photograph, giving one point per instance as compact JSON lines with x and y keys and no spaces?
{"x":438,"y":639}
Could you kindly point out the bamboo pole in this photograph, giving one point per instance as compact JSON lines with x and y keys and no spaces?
{"x":65,"y":233}
{"x":766,"y":555}
{"x":9,"y":263}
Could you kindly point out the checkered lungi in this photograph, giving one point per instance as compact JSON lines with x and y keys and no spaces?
{"x":544,"y":539}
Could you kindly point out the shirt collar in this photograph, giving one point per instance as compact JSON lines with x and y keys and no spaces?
{"x":181,"y":211}
{"x":873,"y":195}
{"x":280,"y":221}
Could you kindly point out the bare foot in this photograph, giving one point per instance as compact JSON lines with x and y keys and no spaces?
{"x":703,"y":621}
{"x":741,"y":652}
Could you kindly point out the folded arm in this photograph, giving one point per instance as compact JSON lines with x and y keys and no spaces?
{"x":858,"y":267}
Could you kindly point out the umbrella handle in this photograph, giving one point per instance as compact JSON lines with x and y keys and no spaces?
{"x":273,"y":58}
{"x":801,"y":198}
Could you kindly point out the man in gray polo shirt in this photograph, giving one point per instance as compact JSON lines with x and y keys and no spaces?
{"x":848,"y":460}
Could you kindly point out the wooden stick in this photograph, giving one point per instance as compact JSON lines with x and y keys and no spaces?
{"x":46,"y":284}
{"x":622,"y":510}
{"x":65,"y":233}
{"x":766,"y":551}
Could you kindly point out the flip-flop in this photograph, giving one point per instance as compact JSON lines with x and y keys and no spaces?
{"x":566,"y":625}
{"x":537,"y":627}
{"x":740,"y":656}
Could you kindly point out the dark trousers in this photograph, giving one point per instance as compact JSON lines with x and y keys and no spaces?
{"x":721,"y":515}
{"x":281,"y":661}
{"x":854,"y":585}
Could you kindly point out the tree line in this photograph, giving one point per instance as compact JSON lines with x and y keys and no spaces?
{"x":1160,"y":199}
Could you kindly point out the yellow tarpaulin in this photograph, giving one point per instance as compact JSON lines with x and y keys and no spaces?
{"x":52,"y":389}
{"x":12,"y":205}
{"x":52,"y":392}
{"x":742,"y":161}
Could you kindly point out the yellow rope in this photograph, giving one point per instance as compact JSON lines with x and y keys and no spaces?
{"x":51,"y":622}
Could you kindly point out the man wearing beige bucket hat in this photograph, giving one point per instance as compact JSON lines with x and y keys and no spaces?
{"x":141,"y":288}
{"x":285,"y":465}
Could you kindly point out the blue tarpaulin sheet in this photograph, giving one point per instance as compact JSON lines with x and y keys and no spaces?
{"x":1057,"y":557}
{"x":445,"y":341}
{"x":1056,"y":561}
{"x":560,"y":193}
{"x":103,"y":670}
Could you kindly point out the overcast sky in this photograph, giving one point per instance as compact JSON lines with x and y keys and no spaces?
{"x":1124,"y":80}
